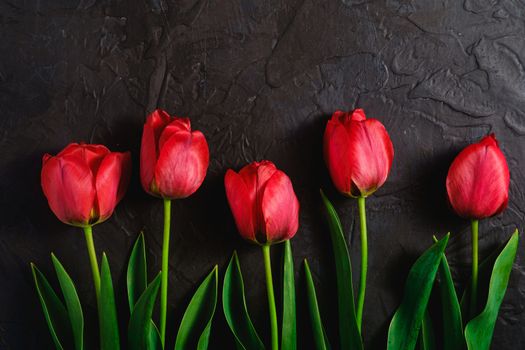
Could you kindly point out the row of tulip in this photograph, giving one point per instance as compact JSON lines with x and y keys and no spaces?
{"x":84,"y":183}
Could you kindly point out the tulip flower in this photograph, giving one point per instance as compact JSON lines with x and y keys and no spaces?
{"x":83,"y":184}
{"x":173,"y":159}
{"x":263,"y":203}
{"x":266,"y":211}
{"x":478,"y":187}
{"x":358,"y":153}
{"x":173,"y":164}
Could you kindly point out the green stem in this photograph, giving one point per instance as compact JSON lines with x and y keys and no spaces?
{"x":364,"y":261}
{"x":271,"y":297}
{"x":474,"y":280}
{"x":88,"y":233}
{"x":164,"y":271}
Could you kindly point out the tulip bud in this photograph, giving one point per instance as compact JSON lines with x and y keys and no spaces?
{"x":358,"y":153}
{"x":83,"y":183}
{"x":478,"y":180}
{"x":173,"y":159}
{"x":263,"y":203}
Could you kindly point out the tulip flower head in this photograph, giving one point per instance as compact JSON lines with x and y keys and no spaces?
{"x":358,"y":153}
{"x":173,"y":159}
{"x":263,"y":203}
{"x":478,"y":180}
{"x":83,"y":183}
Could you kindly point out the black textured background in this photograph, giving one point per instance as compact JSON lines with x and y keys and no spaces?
{"x":260,"y":78}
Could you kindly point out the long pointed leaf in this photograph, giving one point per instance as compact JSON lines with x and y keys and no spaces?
{"x":478,"y":331}
{"x":484,"y":274}
{"x":319,"y":334}
{"x":140,"y":324}
{"x":195,"y":327}
{"x":235,"y":310}
{"x":137,"y":275}
{"x":349,"y":334}
{"x":405,"y":325}
{"x":74,"y":309}
{"x":55,"y":312}
{"x":453,"y":338}
{"x":428,"y":337}
{"x":109,"y":335}
{"x":154,"y":339}
{"x":289,"y":324}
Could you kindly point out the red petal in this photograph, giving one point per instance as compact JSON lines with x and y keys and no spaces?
{"x":337,"y":157}
{"x":182,"y":164}
{"x":370,"y":155}
{"x":478,"y":180}
{"x":280,"y":208}
{"x":255,"y":175}
{"x":45,"y":158}
{"x":149,"y":149}
{"x":177,"y":125}
{"x":148,"y":157}
{"x":358,"y":115}
{"x":157,"y":121}
{"x":241,"y":204}
{"x":68,"y":185}
{"x":111,"y":182}
{"x":91,"y":154}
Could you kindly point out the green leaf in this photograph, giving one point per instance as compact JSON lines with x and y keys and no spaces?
{"x":319,"y":334}
{"x":405,"y":325}
{"x":350,"y":336}
{"x":195,"y":327}
{"x":453,"y":338}
{"x":109,"y":336}
{"x":428,"y":337}
{"x":289,"y":326}
{"x":137,"y":275}
{"x":140,"y":325}
{"x":73,"y":306}
{"x":55,"y":312}
{"x":484,"y":274}
{"x":478,"y":331}
{"x":154,"y":339}
{"x":235,"y":310}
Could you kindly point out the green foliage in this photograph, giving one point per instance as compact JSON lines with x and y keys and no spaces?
{"x":406,"y":323}
{"x":194,"y":331}
{"x":235,"y":310}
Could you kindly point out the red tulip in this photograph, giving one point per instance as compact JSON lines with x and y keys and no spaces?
{"x":358,"y":153}
{"x":84,"y":183}
{"x":478,"y":180}
{"x":263,"y":203}
{"x":173,"y":159}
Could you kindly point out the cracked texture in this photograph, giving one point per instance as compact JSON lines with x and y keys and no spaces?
{"x":260,"y":79}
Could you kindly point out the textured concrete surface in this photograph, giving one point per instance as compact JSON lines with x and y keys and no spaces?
{"x":260,"y":79}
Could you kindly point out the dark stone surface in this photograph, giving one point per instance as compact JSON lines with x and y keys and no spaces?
{"x":260,"y":79}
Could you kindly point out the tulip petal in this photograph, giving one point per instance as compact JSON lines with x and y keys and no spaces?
{"x":177,"y":125}
{"x":157,"y":121}
{"x":67,"y":183}
{"x":112,"y":180}
{"x":371,"y":153}
{"x":280,"y":208}
{"x":255,"y":176}
{"x":182,"y":164}
{"x":149,"y":150}
{"x":358,"y":115}
{"x":336,"y":154}
{"x":241,"y":204}
{"x":148,"y":157}
{"x":478,"y":180}
{"x":91,"y":154}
